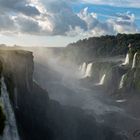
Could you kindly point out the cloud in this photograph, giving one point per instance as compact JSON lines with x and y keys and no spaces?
{"x":62,"y":17}
{"x":53,"y":17}
{"x":119,"y":23}
{"x":50,"y":17}
{"x":27,"y":25}
{"x":124,"y":23}
{"x":18,"y":6}
{"x":95,"y":27}
{"x":89,"y":18}
{"x":6,"y":23}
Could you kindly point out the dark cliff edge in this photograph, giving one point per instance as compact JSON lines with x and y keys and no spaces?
{"x":38,"y":117}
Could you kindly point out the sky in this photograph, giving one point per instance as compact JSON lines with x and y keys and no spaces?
{"x":56,"y":23}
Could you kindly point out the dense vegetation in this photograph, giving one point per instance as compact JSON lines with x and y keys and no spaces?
{"x":107,"y":45}
{"x":2,"y":120}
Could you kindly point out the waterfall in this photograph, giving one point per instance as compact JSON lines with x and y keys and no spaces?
{"x":83,"y":68}
{"x":122,"y":81}
{"x":134,"y":60}
{"x":126,"y":60}
{"x":89,"y":70}
{"x":10,"y":131}
{"x":102,"y":80}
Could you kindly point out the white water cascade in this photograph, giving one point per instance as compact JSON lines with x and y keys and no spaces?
{"x":10,"y":131}
{"x":122,"y":81}
{"x":134,"y":60}
{"x":126,"y":62}
{"x":83,"y":68}
{"x":102,"y":80}
{"x":89,"y":70}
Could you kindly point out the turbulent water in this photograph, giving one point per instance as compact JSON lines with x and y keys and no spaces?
{"x":10,"y":131}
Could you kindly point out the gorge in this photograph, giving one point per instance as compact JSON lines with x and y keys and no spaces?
{"x":50,"y":97}
{"x":69,"y":69}
{"x":39,"y":117}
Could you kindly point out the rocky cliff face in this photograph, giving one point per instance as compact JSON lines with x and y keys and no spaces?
{"x":16,"y":67}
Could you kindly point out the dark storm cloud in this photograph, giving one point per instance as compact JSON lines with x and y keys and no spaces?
{"x":21,"y":6}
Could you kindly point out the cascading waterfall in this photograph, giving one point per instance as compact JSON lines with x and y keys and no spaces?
{"x":126,"y":59}
{"x":134,"y":60}
{"x":10,"y":131}
{"x":83,"y":68}
{"x":122,"y":81}
{"x":102,"y":80}
{"x":89,"y":70}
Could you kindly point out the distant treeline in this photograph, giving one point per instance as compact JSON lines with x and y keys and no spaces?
{"x":107,"y":45}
